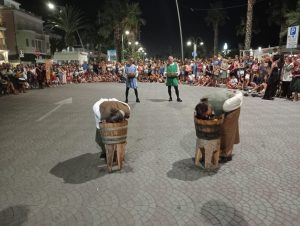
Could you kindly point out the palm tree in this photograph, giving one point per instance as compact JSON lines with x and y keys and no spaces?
{"x":248,"y":35}
{"x":133,"y":20}
{"x":277,"y":11}
{"x":69,"y":20}
{"x":113,"y":14}
{"x":216,"y":17}
{"x":241,"y":28}
{"x":293,"y":17}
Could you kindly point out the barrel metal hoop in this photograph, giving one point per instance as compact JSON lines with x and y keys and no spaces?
{"x":114,"y":128}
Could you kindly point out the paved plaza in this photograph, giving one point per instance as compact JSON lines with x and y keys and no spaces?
{"x":51,"y":174}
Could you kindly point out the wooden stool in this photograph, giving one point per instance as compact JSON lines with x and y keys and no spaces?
{"x":208,"y":149}
{"x":114,"y":137}
{"x":111,"y":149}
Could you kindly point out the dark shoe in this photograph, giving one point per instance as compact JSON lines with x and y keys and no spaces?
{"x":103,"y":155}
{"x":138,"y":100}
{"x":179,"y":100}
{"x":126,"y":101}
{"x":170,"y":99}
{"x":224,"y":159}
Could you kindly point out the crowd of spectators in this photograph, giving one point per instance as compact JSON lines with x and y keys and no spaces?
{"x":247,"y":73}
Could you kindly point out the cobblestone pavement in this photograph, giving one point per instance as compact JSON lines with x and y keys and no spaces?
{"x":50,"y":174}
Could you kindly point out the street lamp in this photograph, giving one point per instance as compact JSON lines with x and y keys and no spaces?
{"x":195,"y":42}
{"x":52,"y":7}
{"x":225,"y":48}
{"x":136,"y":43}
{"x":126,"y":33}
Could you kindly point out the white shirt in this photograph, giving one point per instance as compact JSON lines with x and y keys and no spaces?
{"x":96,"y":109}
{"x":233,"y":103}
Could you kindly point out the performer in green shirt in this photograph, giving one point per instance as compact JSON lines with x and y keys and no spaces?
{"x":172,"y":72}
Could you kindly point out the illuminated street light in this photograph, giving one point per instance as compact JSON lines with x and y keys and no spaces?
{"x":201,"y":43}
{"x":126,"y":33}
{"x":129,"y":43}
{"x":51,"y":5}
{"x":225,"y":46}
{"x":259,"y":49}
{"x":136,"y":43}
{"x":189,"y":43}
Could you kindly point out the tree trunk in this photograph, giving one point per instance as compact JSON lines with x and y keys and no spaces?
{"x":248,"y":34}
{"x":117,"y":40}
{"x":216,"y":35}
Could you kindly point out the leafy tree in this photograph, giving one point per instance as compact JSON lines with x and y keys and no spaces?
{"x":69,"y":20}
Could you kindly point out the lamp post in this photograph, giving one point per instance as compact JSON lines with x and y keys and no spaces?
{"x":180,"y":30}
{"x":52,"y":7}
{"x":189,"y":43}
{"x":126,"y":33}
{"x":225,"y":48}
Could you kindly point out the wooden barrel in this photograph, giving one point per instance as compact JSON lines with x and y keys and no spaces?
{"x":208,"y":129}
{"x":114,"y":133}
{"x":131,"y":75}
{"x":172,"y":75}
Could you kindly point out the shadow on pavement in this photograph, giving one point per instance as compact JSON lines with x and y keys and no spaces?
{"x":14,"y":215}
{"x":218,"y":211}
{"x":158,"y":100}
{"x":185,"y":170}
{"x":80,"y":169}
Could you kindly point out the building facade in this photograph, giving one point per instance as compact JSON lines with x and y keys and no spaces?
{"x":24,"y":32}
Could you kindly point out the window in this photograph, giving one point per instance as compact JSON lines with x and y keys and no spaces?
{"x":27,"y":42}
{"x":47,"y":45}
{"x":32,"y":43}
{"x":40,"y":45}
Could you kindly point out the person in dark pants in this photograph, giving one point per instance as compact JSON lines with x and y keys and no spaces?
{"x":286,"y":78}
{"x":131,"y":73}
{"x":109,"y":110}
{"x":172,"y":72}
{"x":274,"y":79}
{"x":41,"y":74}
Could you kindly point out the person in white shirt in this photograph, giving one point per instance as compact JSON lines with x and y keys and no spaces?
{"x":109,"y":110}
{"x":228,"y":103}
{"x":286,"y":77}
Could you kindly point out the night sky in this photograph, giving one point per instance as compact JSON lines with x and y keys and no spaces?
{"x":160,"y":35}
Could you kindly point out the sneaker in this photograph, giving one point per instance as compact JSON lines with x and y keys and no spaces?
{"x":179,"y":100}
{"x":170,"y":99}
{"x":138,"y":100}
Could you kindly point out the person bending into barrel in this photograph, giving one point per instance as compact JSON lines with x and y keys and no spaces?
{"x":227,"y":103}
{"x":108,"y":110}
{"x":131,"y":74}
{"x":172,"y":72}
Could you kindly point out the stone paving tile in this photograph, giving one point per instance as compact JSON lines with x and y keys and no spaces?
{"x":50,"y":172}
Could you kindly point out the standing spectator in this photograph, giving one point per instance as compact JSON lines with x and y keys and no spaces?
{"x":286,"y":78}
